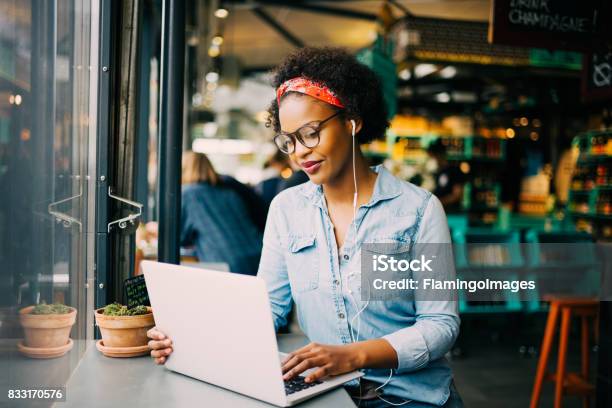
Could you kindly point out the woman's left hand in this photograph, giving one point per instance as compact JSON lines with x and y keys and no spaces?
{"x":330,"y":360}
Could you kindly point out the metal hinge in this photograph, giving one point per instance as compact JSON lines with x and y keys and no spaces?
{"x":60,"y":217}
{"x":122,"y":222}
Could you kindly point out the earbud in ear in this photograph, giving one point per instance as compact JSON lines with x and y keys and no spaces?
{"x":353,"y":123}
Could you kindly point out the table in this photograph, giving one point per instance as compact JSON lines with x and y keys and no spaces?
{"x":101,"y":381}
{"x":20,"y":372}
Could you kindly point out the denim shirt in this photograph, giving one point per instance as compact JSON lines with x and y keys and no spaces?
{"x":301,"y":263}
{"x":213,"y":219}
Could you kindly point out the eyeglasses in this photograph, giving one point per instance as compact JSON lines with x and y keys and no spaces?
{"x":307,"y":135}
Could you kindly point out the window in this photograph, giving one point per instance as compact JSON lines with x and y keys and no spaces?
{"x":48,"y":85}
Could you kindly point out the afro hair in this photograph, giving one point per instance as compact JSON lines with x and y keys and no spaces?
{"x":356,"y":85}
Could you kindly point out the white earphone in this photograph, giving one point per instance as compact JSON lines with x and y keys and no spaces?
{"x":354,"y":173}
{"x":354,"y":337}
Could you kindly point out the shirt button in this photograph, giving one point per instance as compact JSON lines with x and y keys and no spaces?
{"x":341,"y":315}
{"x":336,"y":282}
{"x":346,"y":257}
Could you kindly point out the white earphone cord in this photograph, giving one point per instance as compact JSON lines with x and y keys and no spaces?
{"x":359,"y":311}
{"x":355,"y":198}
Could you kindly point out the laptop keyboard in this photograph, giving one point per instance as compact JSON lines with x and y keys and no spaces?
{"x":298,"y":384}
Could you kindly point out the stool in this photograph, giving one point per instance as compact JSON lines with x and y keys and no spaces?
{"x":566,"y":382}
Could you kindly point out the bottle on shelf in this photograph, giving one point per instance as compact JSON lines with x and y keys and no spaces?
{"x":603,"y":175}
{"x":603,"y":206}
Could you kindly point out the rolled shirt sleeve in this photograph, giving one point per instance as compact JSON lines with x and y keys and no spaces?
{"x":437,"y":321}
{"x":427,"y":340}
{"x":273,"y":270}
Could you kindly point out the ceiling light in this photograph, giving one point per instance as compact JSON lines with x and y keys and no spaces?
{"x":212,"y":76}
{"x":524,"y":121}
{"x":221,"y":12}
{"x":443,"y":97}
{"x":223,"y":146}
{"x":214,"y":51}
{"x":448,"y":72}
{"x":405,"y":74}
{"x":510,"y":133}
{"x":217,"y":40}
{"x":196,"y":99}
{"x":422,"y":70}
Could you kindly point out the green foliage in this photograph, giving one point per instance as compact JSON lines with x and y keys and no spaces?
{"x":54,"y":308}
{"x":115,"y":309}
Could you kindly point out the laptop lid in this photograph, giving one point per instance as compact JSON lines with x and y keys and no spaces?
{"x":221,"y":327}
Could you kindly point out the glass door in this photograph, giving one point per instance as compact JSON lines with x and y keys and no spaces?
{"x":48,"y":109}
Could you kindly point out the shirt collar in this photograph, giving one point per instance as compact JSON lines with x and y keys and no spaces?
{"x":386,"y":187}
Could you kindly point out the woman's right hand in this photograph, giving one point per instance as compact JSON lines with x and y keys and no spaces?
{"x":160,"y":345}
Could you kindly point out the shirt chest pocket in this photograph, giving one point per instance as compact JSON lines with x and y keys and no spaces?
{"x":390,"y":245}
{"x":303,"y":263}
{"x":391,"y":257}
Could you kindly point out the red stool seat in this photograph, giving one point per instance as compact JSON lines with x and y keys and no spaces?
{"x":566,"y":383}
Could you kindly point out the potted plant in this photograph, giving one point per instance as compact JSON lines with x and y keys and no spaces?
{"x":124,"y":330}
{"x":47,"y":329}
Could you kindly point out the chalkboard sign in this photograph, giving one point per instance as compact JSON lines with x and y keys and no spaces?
{"x":136,"y":292}
{"x":556,"y":24}
{"x":597,"y":76}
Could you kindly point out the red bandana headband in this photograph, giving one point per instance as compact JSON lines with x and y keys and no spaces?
{"x":308,"y":87}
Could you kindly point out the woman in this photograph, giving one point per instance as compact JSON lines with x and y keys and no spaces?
{"x":215,"y":216}
{"x":326,"y":101}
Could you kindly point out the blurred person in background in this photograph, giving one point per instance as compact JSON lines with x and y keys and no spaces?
{"x":296,"y":177}
{"x":448,"y":177}
{"x":276,"y":170}
{"x":215,"y":216}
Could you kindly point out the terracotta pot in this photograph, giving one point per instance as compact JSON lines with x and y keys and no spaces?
{"x":49,"y":330}
{"x":124,"y":331}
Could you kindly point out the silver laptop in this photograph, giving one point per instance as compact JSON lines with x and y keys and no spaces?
{"x":222,"y":332}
